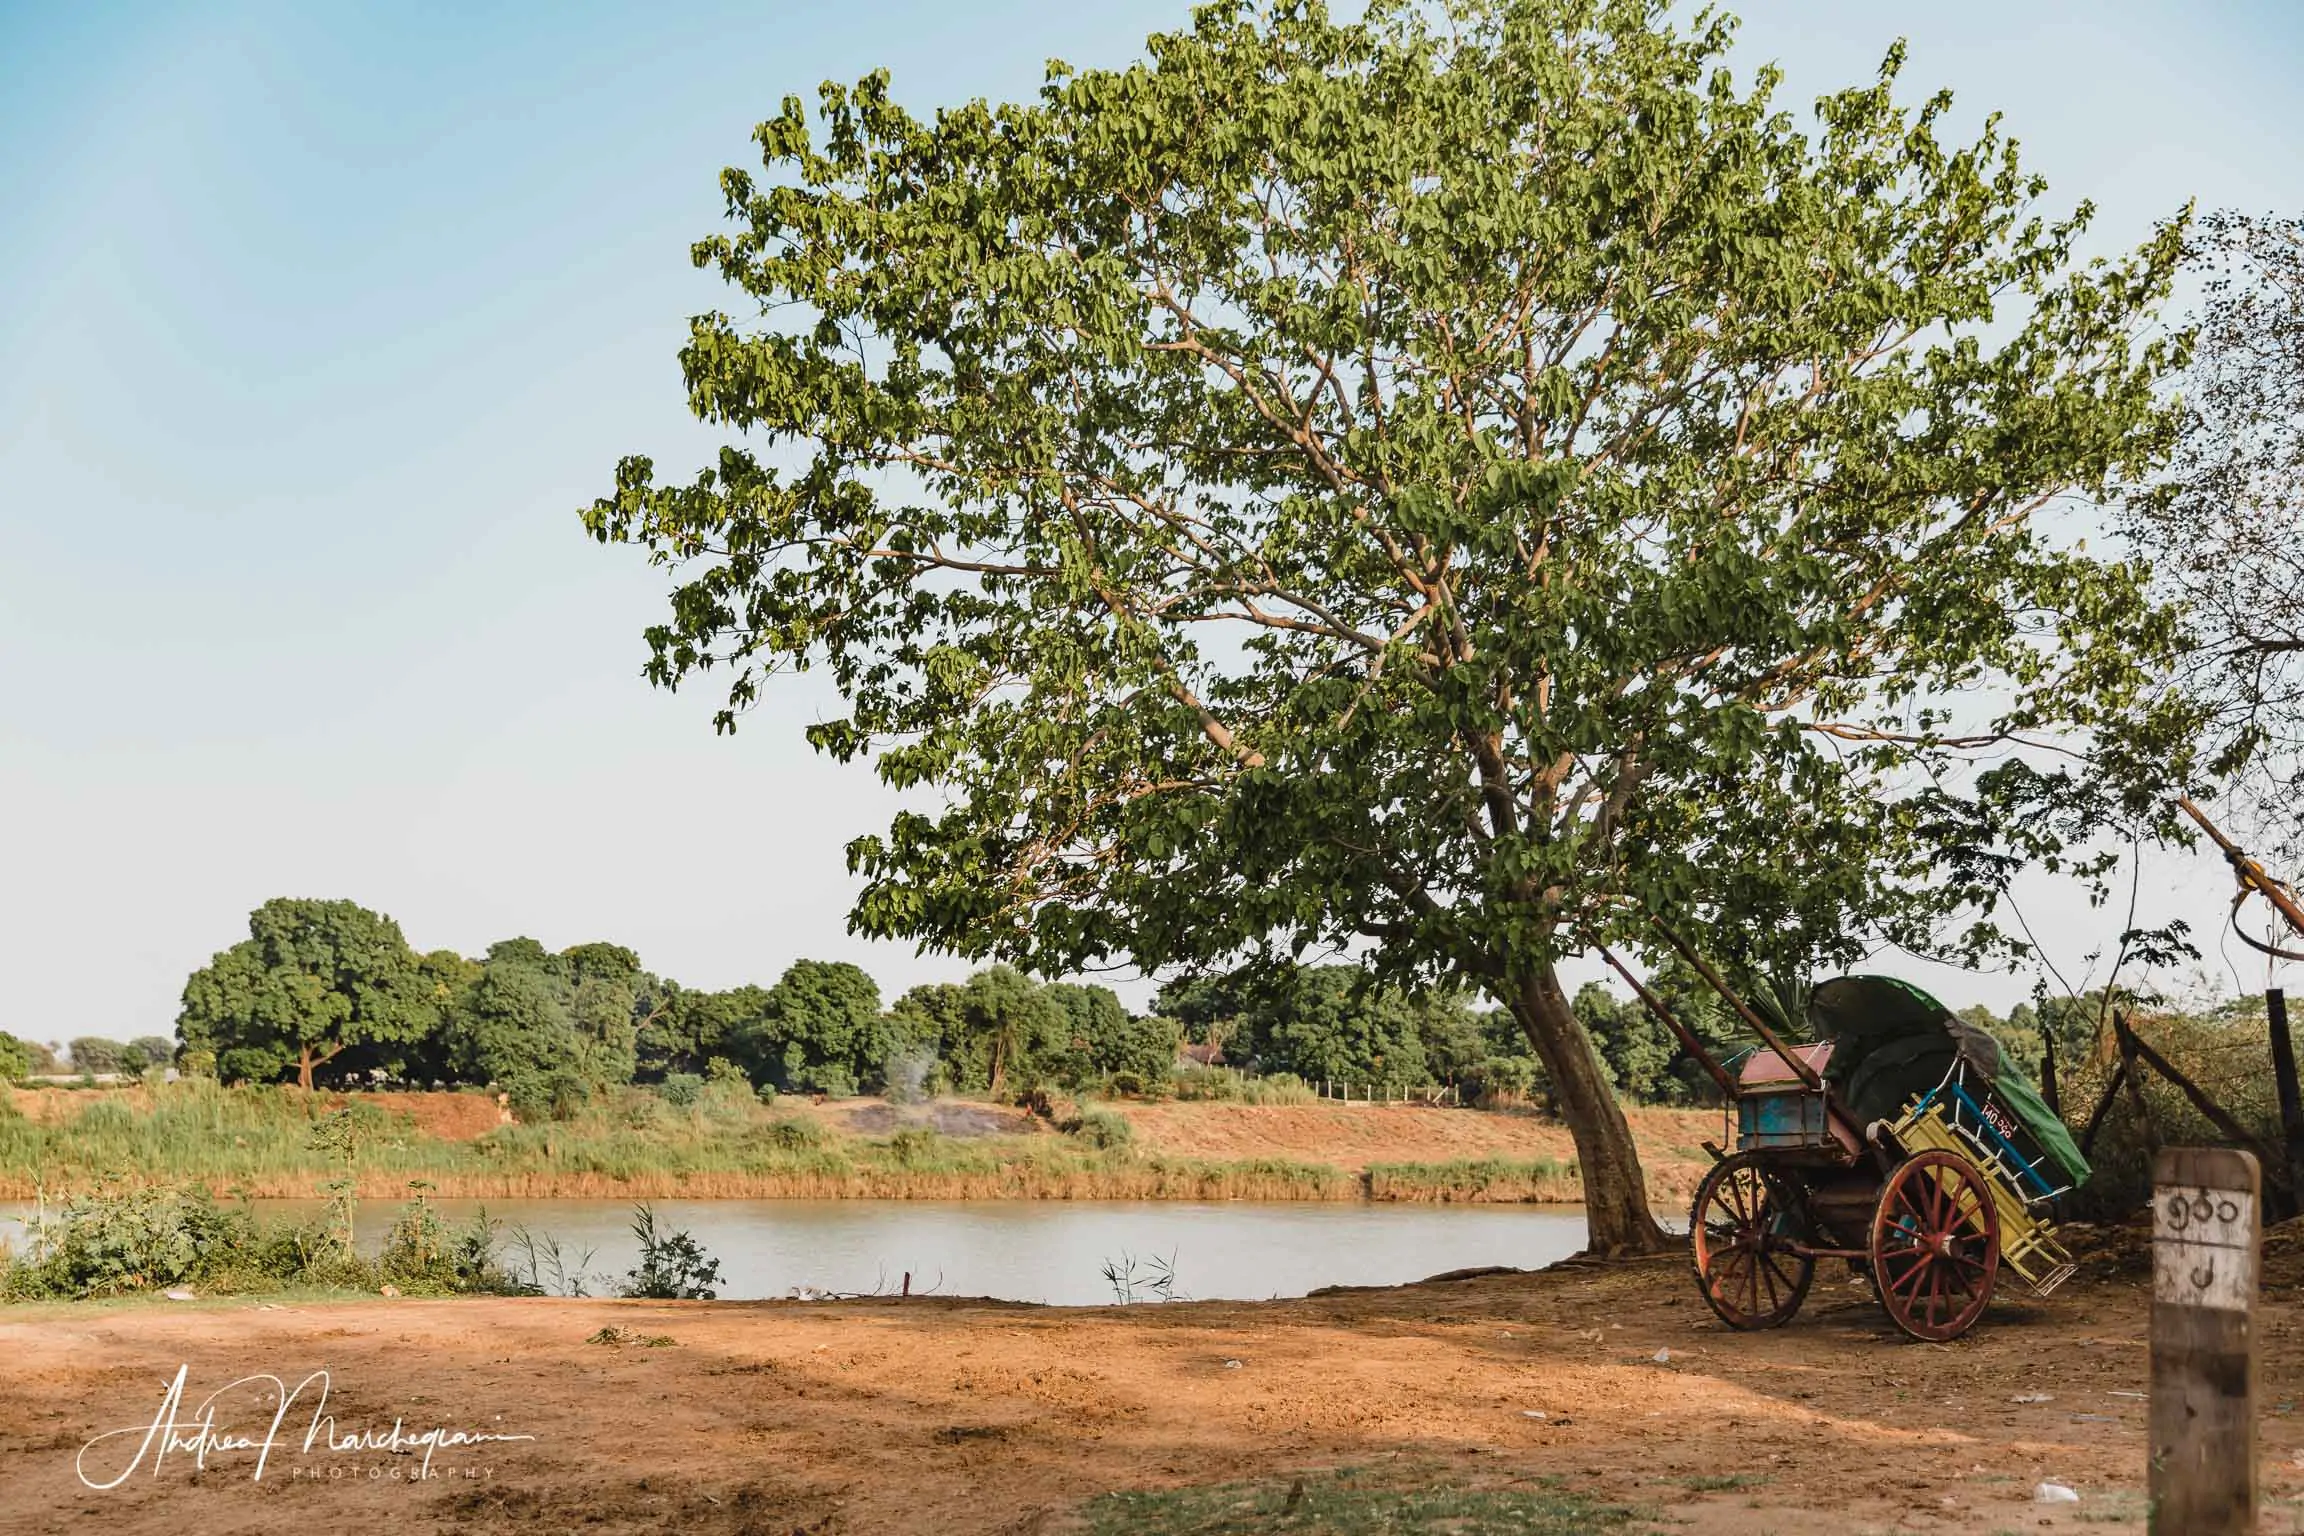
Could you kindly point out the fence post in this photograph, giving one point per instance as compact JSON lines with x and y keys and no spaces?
{"x":2205,"y":1223}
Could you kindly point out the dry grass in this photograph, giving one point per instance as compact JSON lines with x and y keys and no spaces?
{"x":636,"y":1146}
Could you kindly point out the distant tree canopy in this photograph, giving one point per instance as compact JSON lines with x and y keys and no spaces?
{"x":312,"y":980}
{"x":553,"y":1029}
{"x":1446,"y":481}
{"x":92,"y":1053}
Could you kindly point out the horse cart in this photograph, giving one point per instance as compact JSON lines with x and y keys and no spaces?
{"x":1902,"y":1143}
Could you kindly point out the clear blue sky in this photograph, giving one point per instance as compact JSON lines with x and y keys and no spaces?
{"x":318,"y":322}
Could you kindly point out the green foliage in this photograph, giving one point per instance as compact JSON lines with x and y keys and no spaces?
{"x":818,"y":1030}
{"x":681,"y":1088}
{"x":1232,"y":1086}
{"x":91,"y":1053}
{"x":313,"y":980}
{"x":424,"y":1255}
{"x":147,"y":1051}
{"x":1428,"y":504}
{"x":15,"y":1059}
{"x":1391,"y":1501}
{"x":1501,"y":1081}
{"x":673,"y":1265}
{"x":123,"y":1240}
{"x":1008,"y":1032}
{"x":1104,"y":1129}
{"x":793,"y":1135}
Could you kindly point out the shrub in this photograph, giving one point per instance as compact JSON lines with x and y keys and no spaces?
{"x":123,"y":1240}
{"x":681,"y":1088}
{"x":1105,"y":1130}
{"x":830,"y":1079}
{"x":1505,"y":1080}
{"x":915,"y":1146}
{"x":556,"y":1094}
{"x":422,"y":1253}
{"x":792,"y":1135}
{"x":1231,"y":1085}
{"x":673,"y":1265}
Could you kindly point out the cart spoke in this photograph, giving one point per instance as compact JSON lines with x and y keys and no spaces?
{"x":1790,"y":1284}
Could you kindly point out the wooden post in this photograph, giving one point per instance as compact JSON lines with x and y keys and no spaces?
{"x":2202,"y":1478}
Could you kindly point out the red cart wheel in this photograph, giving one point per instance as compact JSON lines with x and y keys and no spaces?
{"x":1742,"y":1228}
{"x":1935,"y":1246}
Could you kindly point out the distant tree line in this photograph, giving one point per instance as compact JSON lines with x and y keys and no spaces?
{"x":328,"y":993}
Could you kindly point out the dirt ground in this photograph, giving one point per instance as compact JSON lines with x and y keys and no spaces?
{"x":957,"y":1416}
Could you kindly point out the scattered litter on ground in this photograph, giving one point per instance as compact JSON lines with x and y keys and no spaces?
{"x":2054,"y":1493}
{"x":2033,"y":1397}
{"x":179,"y":1295}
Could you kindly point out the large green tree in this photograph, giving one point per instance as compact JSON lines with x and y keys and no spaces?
{"x":819,"y":1030}
{"x":312,"y":980}
{"x":1443,"y":483}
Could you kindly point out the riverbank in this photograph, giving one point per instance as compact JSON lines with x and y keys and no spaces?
{"x":256,"y":1142}
{"x":1581,"y":1398}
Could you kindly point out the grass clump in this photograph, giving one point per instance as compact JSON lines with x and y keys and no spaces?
{"x":1104,"y":1129}
{"x":1484,"y":1180}
{"x":1230,"y":1085}
{"x":1349,"y":1503}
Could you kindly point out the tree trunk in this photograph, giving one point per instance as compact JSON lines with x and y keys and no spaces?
{"x":1615,"y":1193}
{"x":304,"y":1066}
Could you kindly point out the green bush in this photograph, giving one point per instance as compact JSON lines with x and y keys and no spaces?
{"x":557,"y":1094}
{"x":124,"y":1240}
{"x":1505,"y":1080}
{"x":916,"y":1146}
{"x":673,"y":1265}
{"x":1105,"y":1130}
{"x":681,"y":1088}
{"x":792,"y":1135}
{"x":422,"y":1253}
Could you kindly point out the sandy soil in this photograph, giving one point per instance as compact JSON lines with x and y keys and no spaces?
{"x":943,"y":1416}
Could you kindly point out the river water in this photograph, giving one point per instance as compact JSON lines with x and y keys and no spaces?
{"x":1023,"y":1250}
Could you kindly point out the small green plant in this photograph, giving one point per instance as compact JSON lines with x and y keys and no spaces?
{"x":1136,"y":1280}
{"x":619,"y":1337}
{"x":536,"y":1265}
{"x":423,"y":1254}
{"x":673,"y":1265}
{"x":681,"y":1088}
